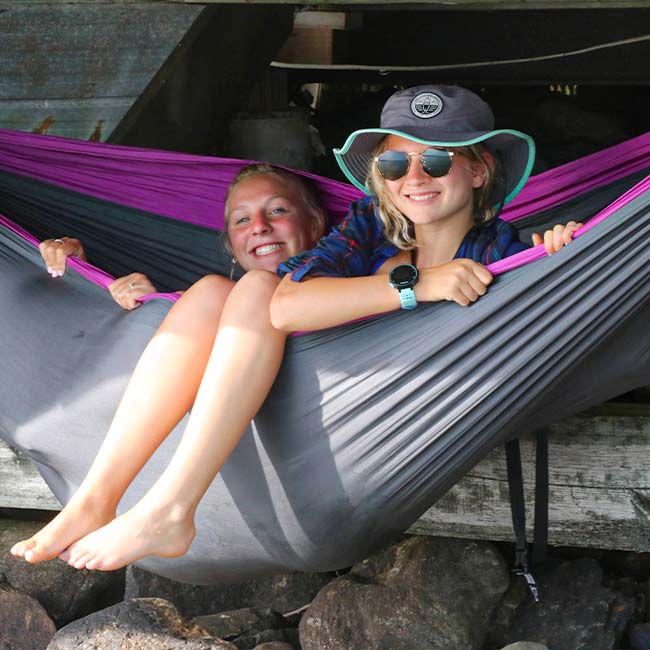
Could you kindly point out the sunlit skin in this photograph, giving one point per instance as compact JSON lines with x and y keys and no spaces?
{"x":266,"y":223}
{"x":224,"y":379}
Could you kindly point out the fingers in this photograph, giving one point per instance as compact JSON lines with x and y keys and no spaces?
{"x":558,"y":237}
{"x":55,"y":253}
{"x":537,"y":239}
{"x":462,"y":281}
{"x":128,"y":289}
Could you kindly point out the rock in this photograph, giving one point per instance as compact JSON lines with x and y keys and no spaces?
{"x":640,"y":636}
{"x":247,"y":621}
{"x":282,"y":593}
{"x":274,"y":645}
{"x":24,"y":624}
{"x":238,"y":621}
{"x":139,"y":624}
{"x":66,"y":593}
{"x":421,"y":593}
{"x":525,"y":645}
{"x":254,"y":639}
{"x":575,"y":612}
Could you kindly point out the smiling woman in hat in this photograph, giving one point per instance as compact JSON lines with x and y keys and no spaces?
{"x":437,"y":173}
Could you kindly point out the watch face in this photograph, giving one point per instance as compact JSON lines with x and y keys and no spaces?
{"x":403,"y":275}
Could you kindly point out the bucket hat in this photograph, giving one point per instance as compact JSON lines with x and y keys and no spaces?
{"x":441,"y":116}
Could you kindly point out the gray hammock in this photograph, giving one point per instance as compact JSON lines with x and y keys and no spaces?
{"x":368,"y":424}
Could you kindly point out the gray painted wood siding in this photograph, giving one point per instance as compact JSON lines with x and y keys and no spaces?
{"x":75,"y":69}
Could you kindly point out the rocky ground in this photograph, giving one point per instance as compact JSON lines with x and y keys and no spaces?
{"x":420,"y":593}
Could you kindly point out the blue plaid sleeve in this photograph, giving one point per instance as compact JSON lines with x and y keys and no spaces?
{"x":358,"y":244}
{"x":349,"y":250}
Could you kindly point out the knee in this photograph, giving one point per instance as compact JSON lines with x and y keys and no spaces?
{"x":207,"y":295}
{"x":261,"y":284}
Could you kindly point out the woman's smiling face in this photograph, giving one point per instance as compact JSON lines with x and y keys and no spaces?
{"x":425,"y":199}
{"x":268,"y":222}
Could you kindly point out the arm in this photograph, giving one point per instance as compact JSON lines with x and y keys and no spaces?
{"x":318,"y":303}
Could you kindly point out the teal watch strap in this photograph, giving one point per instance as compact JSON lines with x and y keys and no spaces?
{"x":407,"y":298}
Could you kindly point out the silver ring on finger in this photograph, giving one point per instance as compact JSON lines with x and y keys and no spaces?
{"x":58,"y":241}
{"x":131,"y":286}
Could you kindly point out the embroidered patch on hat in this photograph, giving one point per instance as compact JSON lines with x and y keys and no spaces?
{"x":426,"y":105}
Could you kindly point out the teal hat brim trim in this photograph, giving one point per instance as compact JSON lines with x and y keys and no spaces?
{"x":355,"y":178}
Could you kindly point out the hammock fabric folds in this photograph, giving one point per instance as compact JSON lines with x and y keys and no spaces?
{"x":368,"y":423}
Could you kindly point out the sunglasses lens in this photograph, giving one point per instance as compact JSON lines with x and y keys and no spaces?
{"x":436,"y":162}
{"x":392,"y":164}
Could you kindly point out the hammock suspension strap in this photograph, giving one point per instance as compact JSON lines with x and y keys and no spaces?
{"x":517,"y":506}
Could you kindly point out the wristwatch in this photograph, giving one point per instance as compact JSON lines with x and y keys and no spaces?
{"x":403,"y":278}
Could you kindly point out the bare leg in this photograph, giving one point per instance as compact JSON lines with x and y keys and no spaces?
{"x":160,"y":392}
{"x":247,"y":354}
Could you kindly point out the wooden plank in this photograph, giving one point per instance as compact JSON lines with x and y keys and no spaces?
{"x":21,"y":486}
{"x":599,"y":486}
{"x":469,"y":5}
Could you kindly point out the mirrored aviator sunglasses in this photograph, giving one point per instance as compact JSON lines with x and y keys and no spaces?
{"x":393,"y":165}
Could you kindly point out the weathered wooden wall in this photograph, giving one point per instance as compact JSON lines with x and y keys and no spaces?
{"x":75,"y":69}
{"x":599,"y":486}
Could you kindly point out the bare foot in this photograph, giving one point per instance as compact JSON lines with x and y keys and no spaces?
{"x":143,"y":530}
{"x":77,"y":519}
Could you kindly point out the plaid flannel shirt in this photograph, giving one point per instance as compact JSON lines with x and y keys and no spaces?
{"x":358,"y":246}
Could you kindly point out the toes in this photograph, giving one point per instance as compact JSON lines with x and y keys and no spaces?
{"x":20,"y":548}
{"x":33,"y":555}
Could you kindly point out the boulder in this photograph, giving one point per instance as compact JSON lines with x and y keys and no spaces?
{"x":525,"y":645}
{"x":24,"y":624}
{"x":139,"y":624}
{"x":283,"y":593}
{"x":66,"y":593}
{"x":421,"y":593}
{"x":575,"y":612}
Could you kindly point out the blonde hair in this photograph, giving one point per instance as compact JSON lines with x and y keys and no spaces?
{"x":399,"y":228}
{"x":307,"y":191}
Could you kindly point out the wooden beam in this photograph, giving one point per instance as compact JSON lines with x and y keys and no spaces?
{"x":599,"y":486}
{"x":21,"y":486}
{"x":442,"y":5}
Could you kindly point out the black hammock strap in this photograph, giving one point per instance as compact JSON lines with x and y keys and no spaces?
{"x":525,"y":560}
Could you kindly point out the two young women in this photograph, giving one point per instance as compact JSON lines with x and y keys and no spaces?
{"x":437,"y":168}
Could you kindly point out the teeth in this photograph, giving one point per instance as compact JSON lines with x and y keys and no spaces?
{"x":423,"y":197}
{"x":269,"y":248}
